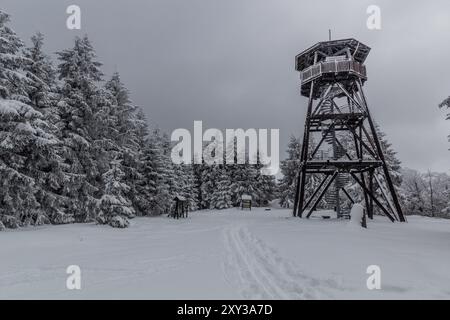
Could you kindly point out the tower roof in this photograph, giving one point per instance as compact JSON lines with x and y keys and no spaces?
{"x":358,"y":50}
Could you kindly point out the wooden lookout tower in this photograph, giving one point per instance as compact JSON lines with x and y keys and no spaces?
{"x":332,"y":77}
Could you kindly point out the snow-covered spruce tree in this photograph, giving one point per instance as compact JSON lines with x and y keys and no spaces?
{"x":289,"y":168}
{"x":42,"y":76}
{"x":209,"y":176}
{"x":13,"y":82}
{"x":390,"y":155}
{"x":180,"y":178}
{"x":242,"y":176}
{"x":126,"y":114}
{"x":20,"y":132}
{"x":218,"y":190}
{"x":80,"y":75}
{"x":168,"y":170}
{"x":186,"y":185}
{"x":120,"y":133}
{"x":243,"y":181}
{"x":110,"y":147}
{"x":104,"y":144}
{"x":115,"y":205}
{"x":157,"y":181}
{"x":197,"y":168}
{"x":202,"y":188}
{"x":265,"y":188}
{"x":45,"y":162}
{"x":131,"y":131}
{"x":137,"y":168}
{"x":192,"y":187}
{"x":115,"y":208}
{"x":221,"y":195}
{"x":265,"y":185}
{"x":146,"y":199}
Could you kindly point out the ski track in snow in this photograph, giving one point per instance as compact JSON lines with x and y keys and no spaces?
{"x":259,"y":272}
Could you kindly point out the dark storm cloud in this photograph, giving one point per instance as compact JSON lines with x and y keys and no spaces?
{"x":230,"y":62}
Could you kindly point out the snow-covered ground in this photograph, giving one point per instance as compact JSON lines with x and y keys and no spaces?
{"x":229,"y":254}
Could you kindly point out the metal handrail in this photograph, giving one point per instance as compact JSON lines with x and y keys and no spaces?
{"x":318,"y":69}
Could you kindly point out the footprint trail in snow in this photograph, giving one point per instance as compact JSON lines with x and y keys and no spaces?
{"x":259,"y":272}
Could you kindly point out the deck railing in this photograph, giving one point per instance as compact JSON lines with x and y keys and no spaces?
{"x":320,"y":68}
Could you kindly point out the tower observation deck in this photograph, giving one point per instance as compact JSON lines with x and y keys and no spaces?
{"x":341,"y":60}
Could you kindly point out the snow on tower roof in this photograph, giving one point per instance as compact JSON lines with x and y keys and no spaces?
{"x":358,"y":50}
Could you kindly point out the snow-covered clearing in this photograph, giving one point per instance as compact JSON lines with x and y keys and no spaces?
{"x":229,"y":254}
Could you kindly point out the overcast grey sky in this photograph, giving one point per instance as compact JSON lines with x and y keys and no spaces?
{"x":230,"y":63}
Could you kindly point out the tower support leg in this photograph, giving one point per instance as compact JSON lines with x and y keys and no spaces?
{"x":370,"y":211}
{"x":303,"y":158}
{"x":381,"y":156}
